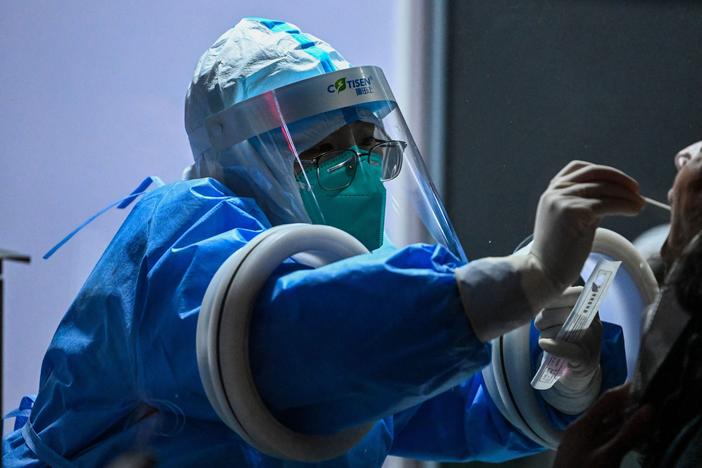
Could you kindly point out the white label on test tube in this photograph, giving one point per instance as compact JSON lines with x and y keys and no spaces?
{"x":577,"y":323}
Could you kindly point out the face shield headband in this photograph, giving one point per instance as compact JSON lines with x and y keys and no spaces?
{"x":277,"y":109}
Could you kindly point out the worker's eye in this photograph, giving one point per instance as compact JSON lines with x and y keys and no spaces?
{"x":317,"y":150}
{"x":368,"y":142}
{"x":324,"y":147}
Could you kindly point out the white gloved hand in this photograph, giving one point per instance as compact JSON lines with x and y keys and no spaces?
{"x":502,"y":293}
{"x":578,"y":388}
{"x":570,"y":210}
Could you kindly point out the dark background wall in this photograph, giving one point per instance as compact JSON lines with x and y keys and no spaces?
{"x":532,"y":85}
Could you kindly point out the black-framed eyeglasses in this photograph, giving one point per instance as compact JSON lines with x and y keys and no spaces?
{"x":335,"y":170}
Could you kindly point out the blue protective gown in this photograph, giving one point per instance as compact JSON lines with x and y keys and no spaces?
{"x":380,"y":337}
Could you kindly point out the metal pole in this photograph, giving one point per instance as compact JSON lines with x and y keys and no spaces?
{"x":16,"y":257}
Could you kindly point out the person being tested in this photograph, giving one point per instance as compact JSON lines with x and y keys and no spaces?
{"x":660,"y":414}
{"x":283,"y":130}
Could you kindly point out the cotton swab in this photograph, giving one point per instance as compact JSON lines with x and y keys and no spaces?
{"x":653,"y":202}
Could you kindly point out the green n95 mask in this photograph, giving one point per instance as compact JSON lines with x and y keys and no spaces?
{"x":347,"y":192}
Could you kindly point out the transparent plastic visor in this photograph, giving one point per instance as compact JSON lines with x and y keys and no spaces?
{"x":325,"y":152}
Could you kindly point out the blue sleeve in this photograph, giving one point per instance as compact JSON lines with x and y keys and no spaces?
{"x":464,"y":424}
{"x":331,"y":348}
{"x":461,"y":424}
{"x":362,"y":339}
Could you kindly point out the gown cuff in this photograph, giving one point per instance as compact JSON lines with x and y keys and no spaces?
{"x":575,"y":393}
{"x":500,"y":294}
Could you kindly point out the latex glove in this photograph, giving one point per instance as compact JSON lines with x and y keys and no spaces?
{"x":500,"y":294}
{"x":578,"y":388}
{"x":568,"y":214}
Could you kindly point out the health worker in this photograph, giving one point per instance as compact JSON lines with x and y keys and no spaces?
{"x":283,"y":130}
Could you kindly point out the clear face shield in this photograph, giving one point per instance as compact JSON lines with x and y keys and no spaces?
{"x":334,"y":150}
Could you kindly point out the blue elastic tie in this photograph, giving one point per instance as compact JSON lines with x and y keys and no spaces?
{"x":22,"y":413}
{"x":307,"y":44}
{"x":42,"y":450}
{"x":120,"y":204}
